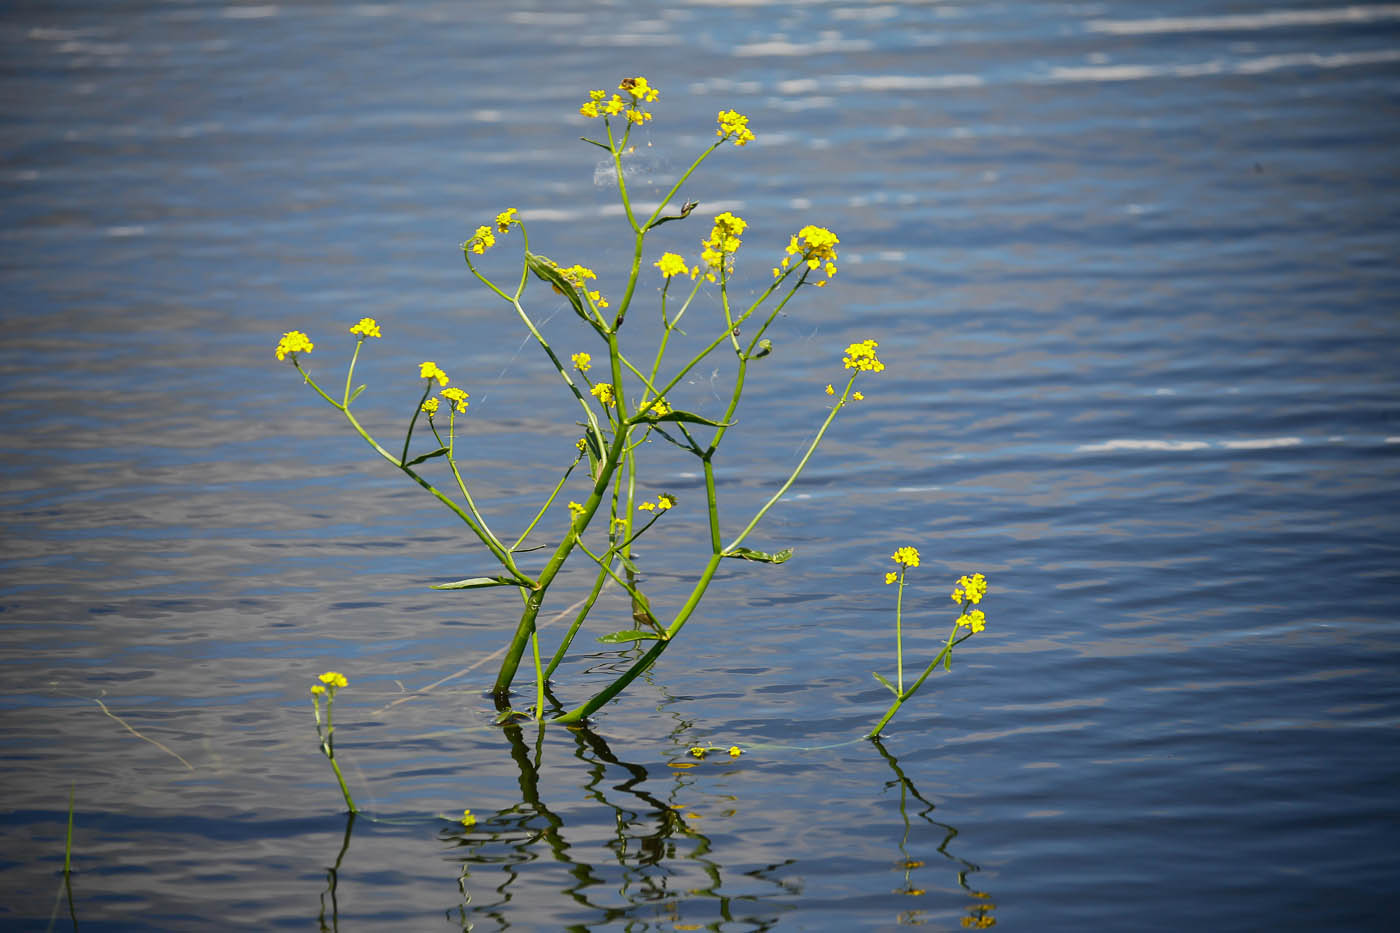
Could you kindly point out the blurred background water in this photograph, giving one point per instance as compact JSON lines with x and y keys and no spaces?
{"x":1133,"y":271}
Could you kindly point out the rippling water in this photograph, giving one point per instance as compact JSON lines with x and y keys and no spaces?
{"x":1133,"y":270}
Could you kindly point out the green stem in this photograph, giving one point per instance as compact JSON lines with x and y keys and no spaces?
{"x":899,"y":633}
{"x":914,"y":687}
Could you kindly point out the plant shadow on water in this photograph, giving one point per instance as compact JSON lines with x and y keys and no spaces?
{"x":655,"y":867}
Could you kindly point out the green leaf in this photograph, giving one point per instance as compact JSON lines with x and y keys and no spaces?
{"x":548,"y":270}
{"x":765,"y":347}
{"x":417,"y":460}
{"x":354,"y":395}
{"x":475,"y":583}
{"x":760,"y":556}
{"x":886,"y":683}
{"x":683,"y":416}
{"x":635,"y":634}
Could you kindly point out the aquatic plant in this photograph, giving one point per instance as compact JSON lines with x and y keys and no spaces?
{"x":624,"y":402}
{"x":331,"y":681}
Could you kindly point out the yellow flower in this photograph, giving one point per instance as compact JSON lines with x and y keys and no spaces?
{"x":430,"y":406}
{"x":671,"y":264}
{"x":294,"y":342}
{"x":908,"y":556}
{"x":368,"y":327}
{"x":861,"y":356}
{"x":589,"y":109}
{"x":719,"y":249}
{"x":733,"y":123}
{"x":975,"y":620}
{"x":575,"y":510}
{"x":647,"y":507}
{"x":665,"y":501}
{"x":697,"y":751}
{"x":318,"y":689}
{"x":457,"y":397}
{"x":614,"y":106}
{"x":467,"y":818}
{"x":603,"y":392}
{"x":334,"y":679}
{"x":430,"y":370}
{"x":660,"y":407}
{"x":891,"y":577}
{"x":829,"y":389}
{"x":816,"y":246}
{"x":857,"y":396}
{"x":735,"y":751}
{"x":638,"y":88}
{"x":581,"y":443}
{"x":481,"y":241}
{"x":582,"y":362}
{"x":971,"y":588}
{"x":505,"y":219}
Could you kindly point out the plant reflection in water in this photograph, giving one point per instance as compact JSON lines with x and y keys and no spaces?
{"x":980,"y":913}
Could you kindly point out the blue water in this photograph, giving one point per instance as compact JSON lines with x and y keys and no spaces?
{"x":1133,"y":271}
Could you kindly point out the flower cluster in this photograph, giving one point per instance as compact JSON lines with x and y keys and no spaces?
{"x":368,"y":327}
{"x":582,"y":362}
{"x":658,"y":407}
{"x":663,"y":502}
{"x":576,"y":511}
{"x":700,"y":751}
{"x":430,"y":370}
{"x":723,"y":243}
{"x":975,"y":620}
{"x":638,"y":90}
{"x":971,"y":589}
{"x":734,"y":124}
{"x":430,"y":407}
{"x":485,"y":236}
{"x":330,"y":682}
{"x":603,"y":392}
{"x":908,"y":556}
{"x":579,"y":277}
{"x":457,"y":397}
{"x":816,"y":246}
{"x":671,"y":264}
{"x":861,"y":356}
{"x":294,"y":342}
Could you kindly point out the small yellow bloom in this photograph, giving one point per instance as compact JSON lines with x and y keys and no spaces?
{"x":908,"y":556}
{"x":294,"y":342}
{"x":647,"y":507}
{"x":603,"y":392}
{"x":614,"y":106}
{"x":861,"y":356}
{"x":659,"y":407}
{"x":368,"y":327}
{"x":430,"y":370}
{"x":581,"y":443}
{"x":971,"y":588}
{"x":589,"y":109}
{"x":334,"y":679}
{"x":467,"y":818}
{"x":975,"y":620}
{"x":698,"y":751}
{"x":575,"y":510}
{"x":582,"y":362}
{"x":505,"y":219}
{"x":671,"y":264}
{"x":318,"y":689}
{"x":430,"y":407}
{"x":457,"y":397}
{"x":665,"y":501}
{"x":481,"y":241}
{"x":735,"y":751}
{"x":829,"y":389}
{"x":857,"y":396}
{"x":891,"y":577}
{"x":638,"y":88}
{"x":735,"y":124}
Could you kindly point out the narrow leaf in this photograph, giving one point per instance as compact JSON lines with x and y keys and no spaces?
{"x":684,"y":416}
{"x":356,"y":394}
{"x":886,"y":683}
{"x":635,"y":634}
{"x":475,"y":583}
{"x":548,"y":270}
{"x":760,"y":556}
{"x":417,"y":460}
